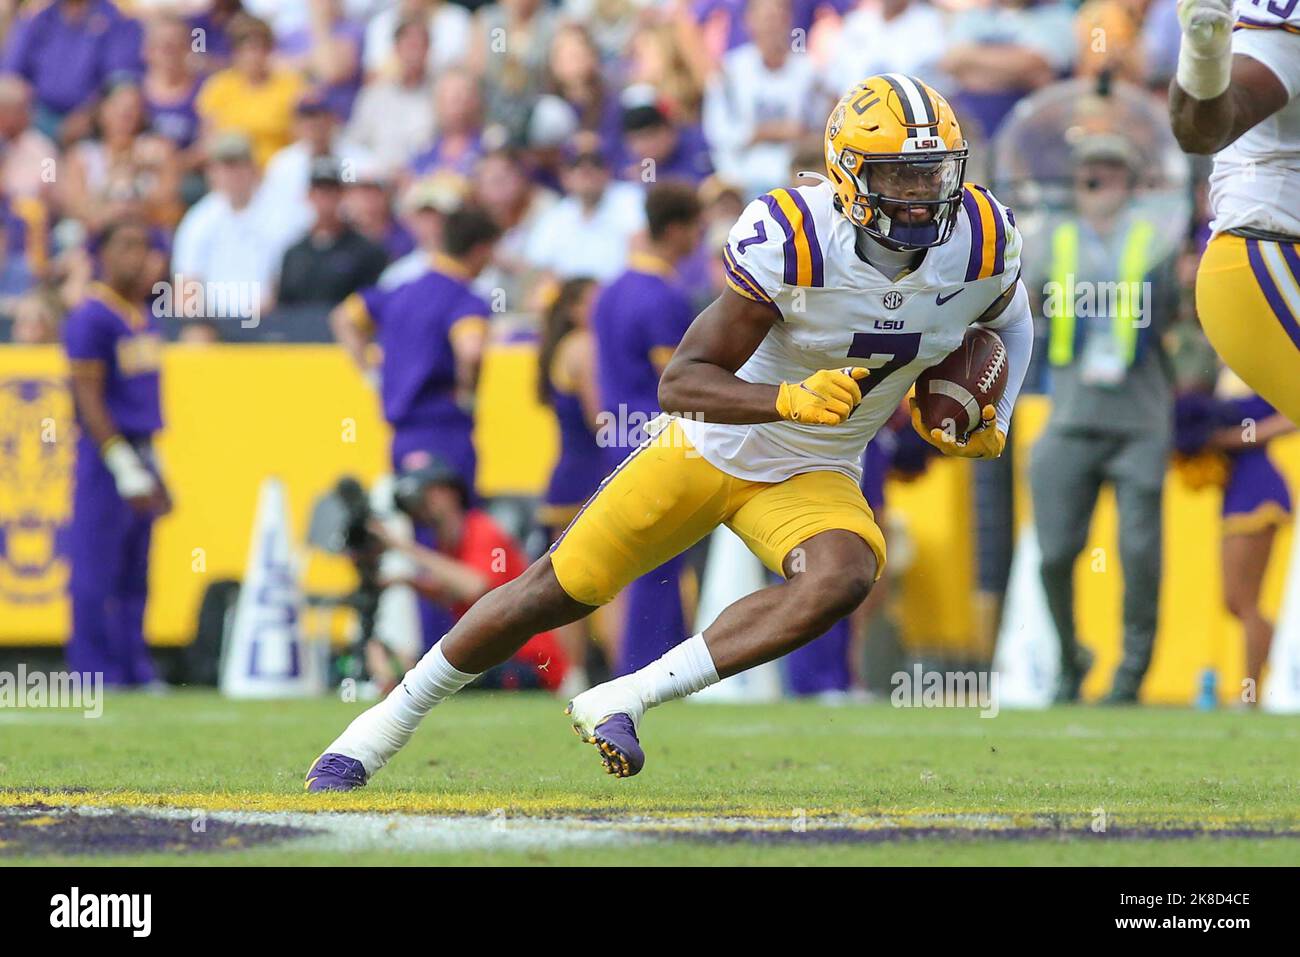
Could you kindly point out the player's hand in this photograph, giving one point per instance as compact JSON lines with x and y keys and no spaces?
{"x":827,"y":397}
{"x":985,"y":442}
{"x":1206,"y":25}
{"x":137,"y":485}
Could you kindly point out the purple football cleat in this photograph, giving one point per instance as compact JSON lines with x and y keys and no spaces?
{"x":336,"y":772}
{"x":620,"y":751}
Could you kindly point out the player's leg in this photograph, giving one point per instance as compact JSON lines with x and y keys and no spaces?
{"x":132,"y":596}
{"x":659,"y":502}
{"x":1248,"y":300}
{"x":1137,"y":473}
{"x":1064,"y":480}
{"x":1245,"y":558}
{"x":817,"y":530}
{"x":96,"y":544}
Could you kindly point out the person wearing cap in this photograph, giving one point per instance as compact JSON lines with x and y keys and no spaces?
{"x":654,"y":147}
{"x":231,"y":235}
{"x":422,"y":209}
{"x":288,"y":173}
{"x":758,"y":106}
{"x":368,"y":206}
{"x":252,"y":96}
{"x":407,"y":92}
{"x":1112,"y":402}
{"x":333,"y":260}
{"x":638,"y":320}
{"x":473,"y":555}
{"x":589,"y":232}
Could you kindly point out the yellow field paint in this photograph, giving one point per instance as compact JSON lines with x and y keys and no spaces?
{"x":719,"y":815}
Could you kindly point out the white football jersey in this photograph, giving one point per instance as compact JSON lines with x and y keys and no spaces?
{"x":791,"y":248}
{"x":1256,"y":180}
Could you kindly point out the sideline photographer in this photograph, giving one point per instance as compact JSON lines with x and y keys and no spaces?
{"x":473,"y":556}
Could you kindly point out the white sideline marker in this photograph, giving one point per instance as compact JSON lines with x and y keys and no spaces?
{"x":265,"y":655}
{"x":1028,"y":654}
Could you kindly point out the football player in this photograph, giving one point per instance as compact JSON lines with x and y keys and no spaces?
{"x":1237,"y":95}
{"x":838,"y":296}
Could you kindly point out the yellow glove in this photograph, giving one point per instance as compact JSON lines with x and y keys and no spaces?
{"x":827,"y":397}
{"x":986,"y":442}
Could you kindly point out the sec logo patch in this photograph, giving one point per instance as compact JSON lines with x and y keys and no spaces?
{"x":892,"y":299}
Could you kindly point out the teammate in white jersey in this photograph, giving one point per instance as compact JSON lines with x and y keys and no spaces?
{"x":1237,"y":95}
{"x":838,"y":296}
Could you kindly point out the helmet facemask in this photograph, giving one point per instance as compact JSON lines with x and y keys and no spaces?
{"x":905,"y":200}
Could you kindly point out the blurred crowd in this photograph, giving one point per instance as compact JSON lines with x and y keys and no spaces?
{"x":307,"y":149}
{"x":387,"y":173}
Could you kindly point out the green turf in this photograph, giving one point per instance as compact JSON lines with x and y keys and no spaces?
{"x":514,"y":755}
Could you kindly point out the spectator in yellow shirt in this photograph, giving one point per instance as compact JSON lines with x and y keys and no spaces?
{"x":252,"y":96}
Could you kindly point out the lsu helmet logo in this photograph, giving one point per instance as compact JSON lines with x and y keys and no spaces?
{"x":35,"y":488}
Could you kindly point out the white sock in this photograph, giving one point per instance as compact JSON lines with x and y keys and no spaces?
{"x":684,"y":670}
{"x":380,"y":732}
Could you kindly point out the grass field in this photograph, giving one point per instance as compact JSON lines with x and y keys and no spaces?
{"x":191,"y":778}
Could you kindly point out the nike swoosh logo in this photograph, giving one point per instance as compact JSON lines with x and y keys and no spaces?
{"x":940,"y":298}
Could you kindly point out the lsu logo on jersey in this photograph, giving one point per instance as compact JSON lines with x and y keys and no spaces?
{"x":35,"y":488}
{"x":139,"y":354}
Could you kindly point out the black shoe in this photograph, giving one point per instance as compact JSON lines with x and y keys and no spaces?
{"x":1071,"y":677}
{"x":1120,"y":697}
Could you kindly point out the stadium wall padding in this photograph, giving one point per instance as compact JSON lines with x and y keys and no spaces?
{"x":237,"y":413}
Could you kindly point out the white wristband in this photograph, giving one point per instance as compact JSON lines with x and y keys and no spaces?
{"x":1204,"y":77}
{"x":129,"y":473}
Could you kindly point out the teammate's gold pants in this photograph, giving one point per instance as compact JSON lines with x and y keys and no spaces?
{"x":665,"y":497}
{"x":1248,"y":298}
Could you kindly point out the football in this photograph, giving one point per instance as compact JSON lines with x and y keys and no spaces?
{"x":951,"y":393}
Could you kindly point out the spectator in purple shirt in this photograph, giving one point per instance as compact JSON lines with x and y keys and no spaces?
{"x":328,"y":50}
{"x":170,"y":86}
{"x":458,"y":112}
{"x":654,"y":148}
{"x":67,"y":51}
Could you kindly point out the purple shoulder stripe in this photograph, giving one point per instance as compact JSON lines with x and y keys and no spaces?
{"x":999,"y":233}
{"x":974,"y":261}
{"x":810,"y":234}
{"x":791,"y":262}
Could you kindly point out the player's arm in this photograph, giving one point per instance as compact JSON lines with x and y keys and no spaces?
{"x":352,"y":331}
{"x":468,"y":338}
{"x":1216,"y":96}
{"x":1010,"y":318}
{"x":700,"y":379}
{"x":440,"y":578}
{"x":135,"y":483}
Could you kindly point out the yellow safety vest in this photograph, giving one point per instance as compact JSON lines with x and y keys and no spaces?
{"x":1133,"y":266}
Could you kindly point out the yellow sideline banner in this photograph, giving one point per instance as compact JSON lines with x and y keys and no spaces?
{"x":238,"y":413}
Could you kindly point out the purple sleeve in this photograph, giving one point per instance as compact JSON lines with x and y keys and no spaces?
{"x":122,"y":48}
{"x":667,"y":322}
{"x":374,"y":298}
{"x":467,"y":305}
{"x":85,"y":337}
{"x":18,"y":52}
